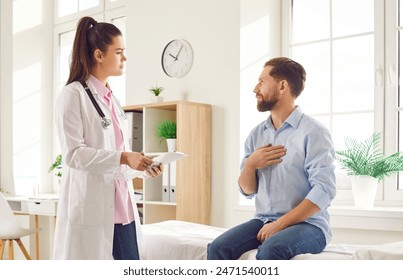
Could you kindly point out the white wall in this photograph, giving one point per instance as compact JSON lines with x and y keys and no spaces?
{"x":213,"y":29}
{"x":18,"y":51}
{"x":34,"y":46}
{"x":6,"y":78}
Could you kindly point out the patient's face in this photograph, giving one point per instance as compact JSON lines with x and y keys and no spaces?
{"x":267,"y":91}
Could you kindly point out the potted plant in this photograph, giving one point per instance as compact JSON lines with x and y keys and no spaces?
{"x":167,"y":130}
{"x":2,"y":190}
{"x":156,"y":91}
{"x":367,"y":165}
{"x":57,"y":164}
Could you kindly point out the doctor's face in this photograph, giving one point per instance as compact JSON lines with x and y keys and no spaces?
{"x":113,"y":59}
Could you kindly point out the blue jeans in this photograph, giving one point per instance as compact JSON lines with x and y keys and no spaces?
{"x":297,"y":239}
{"x":125,"y":242}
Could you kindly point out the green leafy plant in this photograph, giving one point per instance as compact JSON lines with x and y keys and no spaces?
{"x":366,"y":158}
{"x":167,"y":129}
{"x":2,"y":190}
{"x":57,"y":164}
{"x":156,"y":90}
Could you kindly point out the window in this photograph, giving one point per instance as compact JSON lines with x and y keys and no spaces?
{"x":66,"y":40}
{"x":344,"y":60}
{"x":68,"y":7}
{"x":339,"y":60}
{"x":393,"y":95}
{"x":351,"y":51}
{"x":65,"y":37}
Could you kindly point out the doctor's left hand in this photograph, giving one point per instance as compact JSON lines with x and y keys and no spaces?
{"x":135,"y":160}
{"x":155,"y":170}
{"x":139,"y":161}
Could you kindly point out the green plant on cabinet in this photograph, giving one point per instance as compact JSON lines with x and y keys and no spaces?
{"x":167,"y":129}
{"x":156,"y":90}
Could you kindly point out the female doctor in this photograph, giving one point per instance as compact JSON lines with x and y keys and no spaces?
{"x":97,"y":216}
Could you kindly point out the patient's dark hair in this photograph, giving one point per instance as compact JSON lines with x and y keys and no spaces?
{"x":90,"y":35}
{"x":287,"y":69}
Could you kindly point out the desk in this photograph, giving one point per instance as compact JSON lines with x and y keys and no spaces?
{"x":44,"y":205}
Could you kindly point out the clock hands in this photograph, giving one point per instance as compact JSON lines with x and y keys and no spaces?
{"x":176,"y":57}
{"x":173,"y":57}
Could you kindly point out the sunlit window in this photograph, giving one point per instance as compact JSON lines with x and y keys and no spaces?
{"x":336,"y":47}
{"x":342,"y":47}
{"x":68,"y":7}
{"x":66,"y":40}
{"x":393,"y":69}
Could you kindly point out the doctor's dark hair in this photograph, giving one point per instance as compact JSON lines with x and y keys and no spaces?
{"x":287,"y":69}
{"x":90,"y":35}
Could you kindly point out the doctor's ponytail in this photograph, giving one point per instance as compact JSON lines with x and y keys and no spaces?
{"x":90,"y":36}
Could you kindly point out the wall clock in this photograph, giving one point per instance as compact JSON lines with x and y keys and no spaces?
{"x":177,"y":58}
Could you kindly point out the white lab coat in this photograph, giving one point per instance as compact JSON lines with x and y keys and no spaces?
{"x":85,"y":215}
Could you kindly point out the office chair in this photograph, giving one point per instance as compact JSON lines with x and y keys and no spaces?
{"x":11,"y":230}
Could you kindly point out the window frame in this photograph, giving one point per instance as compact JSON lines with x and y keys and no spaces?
{"x":75,"y":16}
{"x":384,"y":95}
{"x":391,"y":78}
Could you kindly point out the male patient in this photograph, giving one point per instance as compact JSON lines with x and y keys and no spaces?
{"x":288,"y":169}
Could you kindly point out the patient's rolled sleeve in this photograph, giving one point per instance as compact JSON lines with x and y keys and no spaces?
{"x":248,"y":196}
{"x":248,"y":151}
{"x":320,"y":197}
{"x":320,"y":169}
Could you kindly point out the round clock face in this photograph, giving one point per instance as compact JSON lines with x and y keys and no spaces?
{"x":177,"y":58}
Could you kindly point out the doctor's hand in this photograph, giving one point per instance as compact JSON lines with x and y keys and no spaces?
{"x":265,"y":156}
{"x":155,"y":170}
{"x":135,"y":160}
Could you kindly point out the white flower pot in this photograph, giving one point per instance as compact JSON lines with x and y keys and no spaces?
{"x":157,"y":99}
{"x":171,"y":143}
{"x":364,"y":191}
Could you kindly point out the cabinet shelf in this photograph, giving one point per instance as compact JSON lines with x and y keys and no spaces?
{"x":189,"y":178}
{"x":160,"y":203}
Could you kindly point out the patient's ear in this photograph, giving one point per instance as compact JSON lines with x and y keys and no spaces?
{"x":283,"y":85}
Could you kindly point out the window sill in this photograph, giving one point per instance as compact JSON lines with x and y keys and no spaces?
{"x":377,"y":218}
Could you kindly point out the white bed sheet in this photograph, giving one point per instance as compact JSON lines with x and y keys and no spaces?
{"x":178,"y":240}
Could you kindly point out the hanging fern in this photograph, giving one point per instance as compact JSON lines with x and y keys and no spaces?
{"x":366,"y":158}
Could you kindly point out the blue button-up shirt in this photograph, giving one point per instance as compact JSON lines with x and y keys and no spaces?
{"x":306,"y":172}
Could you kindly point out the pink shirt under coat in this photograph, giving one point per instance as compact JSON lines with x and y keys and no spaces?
{"x":123,"y":206}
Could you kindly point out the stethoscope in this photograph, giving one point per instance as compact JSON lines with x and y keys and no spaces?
{"x":105,"y":122}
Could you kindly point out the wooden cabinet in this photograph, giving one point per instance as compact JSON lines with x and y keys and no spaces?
{"x":191,"y":175}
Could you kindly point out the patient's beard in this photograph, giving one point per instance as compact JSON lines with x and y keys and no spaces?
{"x":268,"y":105}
